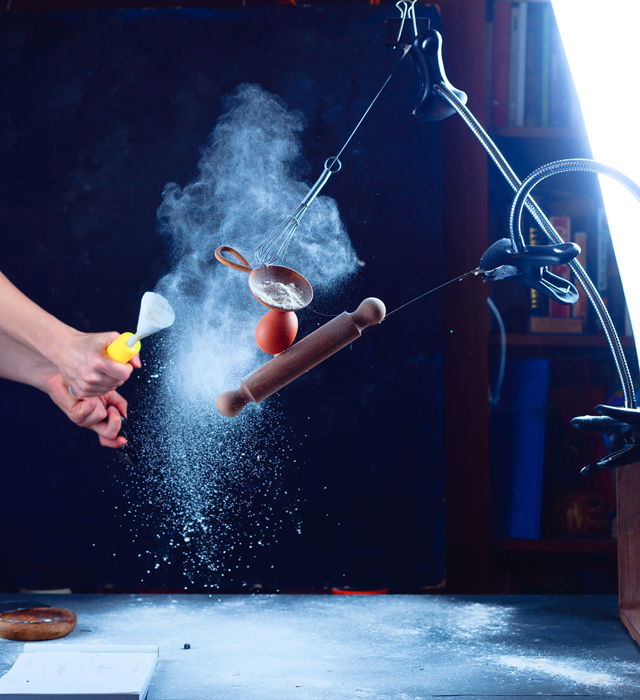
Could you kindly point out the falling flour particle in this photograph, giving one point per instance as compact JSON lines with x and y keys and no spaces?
{"x":287,"y":296}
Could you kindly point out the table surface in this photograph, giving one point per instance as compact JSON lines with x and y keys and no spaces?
{"x":387,"y":646}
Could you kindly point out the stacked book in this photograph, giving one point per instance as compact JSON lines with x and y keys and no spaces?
{"x":529,"y":70}
{"x":549,"y":316}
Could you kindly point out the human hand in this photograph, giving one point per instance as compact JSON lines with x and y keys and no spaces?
{"x":102,"y":414}
{"x":81,"y":358}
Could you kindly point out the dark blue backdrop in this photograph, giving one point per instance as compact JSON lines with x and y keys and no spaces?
{"x":101,"y":109}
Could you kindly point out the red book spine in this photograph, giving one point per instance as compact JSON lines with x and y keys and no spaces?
{"x":581,"y":307}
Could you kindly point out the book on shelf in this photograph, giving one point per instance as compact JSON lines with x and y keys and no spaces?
{"x":602,"y":268}
{"x":518,"y":428}
{"x":575,"y":216}
{"x":603,"y":244}
{"x":581,"y":308}
{"x":545,"y":57}
{"x":500,"y":63}
{"x":556,"y":77}
{"x":531,"y":83}
{"x":541,"y":308}
{"x":517,"y":62}
{"x":552,"y":324}
{"x":584,"y":223}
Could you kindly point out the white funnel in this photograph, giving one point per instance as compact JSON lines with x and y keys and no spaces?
{"x":155,"y":314}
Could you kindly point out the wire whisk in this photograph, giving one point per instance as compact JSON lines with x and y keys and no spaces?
{"x":276,"y":242}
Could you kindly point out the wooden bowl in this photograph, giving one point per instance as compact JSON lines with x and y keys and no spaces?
{"x":36,"y":624}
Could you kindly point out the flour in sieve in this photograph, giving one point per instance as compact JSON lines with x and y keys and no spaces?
{"x":286,"y":296}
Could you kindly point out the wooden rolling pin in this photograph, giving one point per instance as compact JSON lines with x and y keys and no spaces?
{"x":301,"y":357}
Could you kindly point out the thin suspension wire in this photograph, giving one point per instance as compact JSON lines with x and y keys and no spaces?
{"x":475,"y":272}
{"x":275,"y":243}
{"x":589,"y":288}
{"x":373,"y":101}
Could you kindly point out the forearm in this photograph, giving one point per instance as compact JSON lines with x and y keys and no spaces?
{"x":20,"y":363}
{"x":102,"y":414}
{"x":29,"y":324}
{"x":79,"y":357}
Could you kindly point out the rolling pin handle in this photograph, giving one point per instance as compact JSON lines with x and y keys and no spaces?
{"x":230,"y":403}
{"x":369,"y":312}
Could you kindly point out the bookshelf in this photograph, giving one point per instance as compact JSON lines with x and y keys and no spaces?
{"x":475,"y":562}
{"x":576,"y":514}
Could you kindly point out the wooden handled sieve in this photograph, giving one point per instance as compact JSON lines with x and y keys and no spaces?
{"x":264,"y":277}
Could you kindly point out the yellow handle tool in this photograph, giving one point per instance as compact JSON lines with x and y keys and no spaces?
{"x":120,"y":351}
{"x":155,"y":314}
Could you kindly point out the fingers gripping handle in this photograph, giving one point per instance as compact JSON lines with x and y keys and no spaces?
{"x":120,"y":351}
{"x":301,"y":357}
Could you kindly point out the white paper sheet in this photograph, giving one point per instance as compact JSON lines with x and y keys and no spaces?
{"x":69,"y":672}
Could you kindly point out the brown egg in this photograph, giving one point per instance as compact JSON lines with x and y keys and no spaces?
{"x":276,"y":330}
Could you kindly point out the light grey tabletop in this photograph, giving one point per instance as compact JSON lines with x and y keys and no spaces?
{"x":388,"y":646}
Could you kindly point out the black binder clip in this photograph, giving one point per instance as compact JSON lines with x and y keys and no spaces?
{"x":531,"y":267}
{"x":622,"y":425}
{"x":425,"y":50}
{"x":401,"y":32}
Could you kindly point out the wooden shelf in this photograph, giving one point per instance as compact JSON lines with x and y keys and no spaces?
{"x":534,"y":340}
{"x":558,"y":546}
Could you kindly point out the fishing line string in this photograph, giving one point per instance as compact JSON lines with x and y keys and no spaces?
{"x":477,"y":271}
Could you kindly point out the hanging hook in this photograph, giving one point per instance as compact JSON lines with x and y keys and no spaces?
{"x":403,"y":9}
{"x":411,"y":12}
{"x":396,"y":35}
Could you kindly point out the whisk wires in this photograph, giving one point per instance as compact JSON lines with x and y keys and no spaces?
{"x":277,"y":241}
{"x":275,"y":244}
